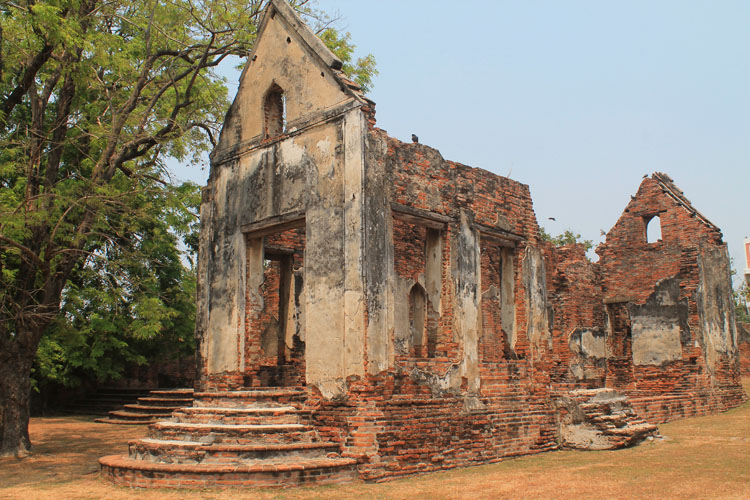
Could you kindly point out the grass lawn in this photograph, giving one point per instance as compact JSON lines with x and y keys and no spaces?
{"x":705,"y":457}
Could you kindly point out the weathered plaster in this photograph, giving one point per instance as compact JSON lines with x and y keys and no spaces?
{"x":715,"y":306}
{"x":534,"y":279}
{"x":466,"y":272}
{"x":308,"y":83}
{"x":660,"y":327}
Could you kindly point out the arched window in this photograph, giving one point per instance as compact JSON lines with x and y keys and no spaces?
{"x":653,"y":228}
{"x":274,"y":112}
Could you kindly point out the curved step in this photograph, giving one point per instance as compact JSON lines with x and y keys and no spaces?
{"x":232,"y":433}
{"x":185,"y":392}
{"x":275,"y":396}
{"x":110,"y":420}
{"x":241,"y":416}
{"x":172,"y":451}
{"x":152,"y":401}
{"x":138,"y":408}
{"x":140,"y":473}
{"x":129,"y":415}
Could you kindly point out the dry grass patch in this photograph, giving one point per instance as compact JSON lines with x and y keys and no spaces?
{"x":705,"y":457}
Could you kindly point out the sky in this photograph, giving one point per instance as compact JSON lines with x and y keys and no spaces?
{"x":578,"y":99}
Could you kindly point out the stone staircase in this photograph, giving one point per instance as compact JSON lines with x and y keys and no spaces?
{"x":104,"y":400}
{"x":599,"y":419}
{"x":254,"y":437}
{"x":158,"y":404}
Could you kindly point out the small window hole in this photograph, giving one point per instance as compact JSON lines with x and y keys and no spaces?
{"x":653,"y":228}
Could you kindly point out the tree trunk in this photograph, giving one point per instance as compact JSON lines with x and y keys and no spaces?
{"x":15,"y":394}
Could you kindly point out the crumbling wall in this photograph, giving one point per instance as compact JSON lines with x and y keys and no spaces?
{"x":578,"y":320}
{"x":478,"y":218}
{"x":669,"y":320}
{"x":397,"y":426}
{"x":716,"y":307}
{"x":412,"y":294}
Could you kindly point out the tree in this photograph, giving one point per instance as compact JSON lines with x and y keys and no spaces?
{"x":363,"y":70}
{"x":741,"y":301}
{"x":133,"y":303}
{"x":93,"y":97}
{"x":566,"y":238}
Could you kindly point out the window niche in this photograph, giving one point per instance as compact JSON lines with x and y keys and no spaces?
{"x":274,"y":112}
{"x":417,"y":303}
{"x":418,"y":254}
{"x":498,"y":300}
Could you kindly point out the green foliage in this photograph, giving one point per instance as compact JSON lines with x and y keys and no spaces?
{"x":741,"y":300}
{"x":566,"y":238}
{"x":363,"y":70}
{"x":132,"y":302}
{"x":94,"y":97}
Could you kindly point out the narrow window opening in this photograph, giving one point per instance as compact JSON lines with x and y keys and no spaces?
{"x":653,"y":228}
{"x":417,"y":304}
{"x":274,"y":112}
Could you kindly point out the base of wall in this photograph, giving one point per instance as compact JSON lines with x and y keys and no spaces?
{"x":661,"y":408}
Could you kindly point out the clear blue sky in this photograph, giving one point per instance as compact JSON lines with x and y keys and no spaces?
{"x":577,"y":99}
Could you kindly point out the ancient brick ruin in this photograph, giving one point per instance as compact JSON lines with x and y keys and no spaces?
{"x":368,"y":309}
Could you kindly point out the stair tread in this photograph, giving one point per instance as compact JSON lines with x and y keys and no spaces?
{"x":149,"y":398}
{"x":254,"y":410}
{"x":234,"y":447}
{"x":259,"y":427}
{"x":133,"y":406}
{"x":250,"y":393}
{"x":269,"y":465}
{"x":123,"y":413}
{"x":118,"y":421}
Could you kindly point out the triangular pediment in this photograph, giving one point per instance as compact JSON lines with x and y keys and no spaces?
{"x":288,"y":58}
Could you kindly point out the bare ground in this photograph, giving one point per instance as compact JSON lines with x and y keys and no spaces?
{"x":705,"y":457}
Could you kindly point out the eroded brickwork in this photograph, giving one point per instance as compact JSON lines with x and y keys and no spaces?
{"x":407,"y":303}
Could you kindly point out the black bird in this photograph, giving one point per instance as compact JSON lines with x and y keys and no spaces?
{"x":414,"y":138}
{"x":551,"y":218}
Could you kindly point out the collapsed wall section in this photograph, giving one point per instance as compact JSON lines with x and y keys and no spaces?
{"x":580,"y":353}
{"x":670,"y":321}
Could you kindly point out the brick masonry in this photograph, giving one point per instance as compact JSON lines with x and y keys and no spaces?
{"x":414,"y":300}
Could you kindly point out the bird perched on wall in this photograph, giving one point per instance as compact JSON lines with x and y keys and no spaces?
{"x":414,"y":138}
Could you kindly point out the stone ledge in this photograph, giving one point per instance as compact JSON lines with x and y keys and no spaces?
{"x":122,"y":462}
{"x":232,"y":447}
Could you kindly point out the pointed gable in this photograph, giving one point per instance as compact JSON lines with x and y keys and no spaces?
{"x":290,"y":80}
{"x":670,"y":189}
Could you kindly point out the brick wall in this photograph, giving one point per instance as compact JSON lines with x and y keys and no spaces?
{"x":396,"y":427}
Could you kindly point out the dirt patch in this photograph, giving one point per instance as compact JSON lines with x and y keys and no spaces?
{"x":705,"y":457}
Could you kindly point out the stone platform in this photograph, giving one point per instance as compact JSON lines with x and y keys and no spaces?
{"x":254,"y":437}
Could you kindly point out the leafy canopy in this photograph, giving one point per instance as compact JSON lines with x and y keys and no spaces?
{"x":94,"y":97}
{"x":566,"y":238}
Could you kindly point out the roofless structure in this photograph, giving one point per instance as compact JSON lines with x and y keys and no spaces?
{"x":368,"y":309}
